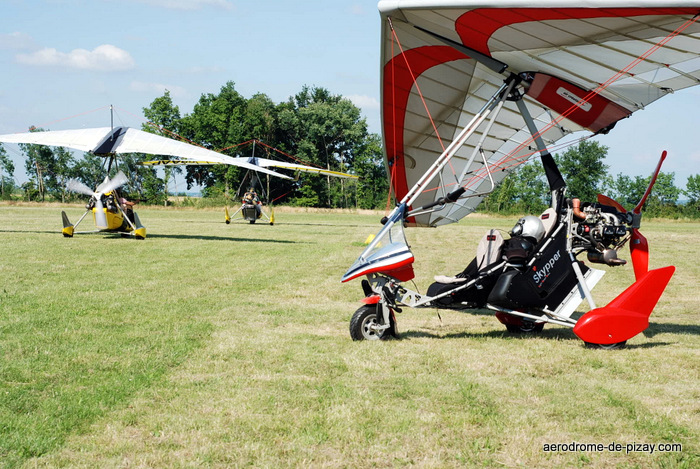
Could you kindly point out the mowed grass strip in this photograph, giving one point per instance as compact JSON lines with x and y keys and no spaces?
{"x":227,"y":345}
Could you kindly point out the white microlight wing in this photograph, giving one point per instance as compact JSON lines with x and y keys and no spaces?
{"x":138,"y":141}
{"x":79,"y":139}
{"x":104,"y":140}
{"x":298,"y":167}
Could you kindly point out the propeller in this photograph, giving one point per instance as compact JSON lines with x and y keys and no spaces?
{"x":639,"y":246}
{"x":74,"y":185}
{"x":107,"y":186}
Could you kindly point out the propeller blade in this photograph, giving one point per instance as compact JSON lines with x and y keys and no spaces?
{"x":109,"y":185}
{"x":102,"y":185}
{"x":117,"y":181}
{"x":74,"y":185}
{"x":639,"y":252}
{"x":100,"y":217}
{"x":638,"y":208}
{"x":605,"y":200}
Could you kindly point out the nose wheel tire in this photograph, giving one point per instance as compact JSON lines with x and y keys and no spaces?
{"x":365,"y":324}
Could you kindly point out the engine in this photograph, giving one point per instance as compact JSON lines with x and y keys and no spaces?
{"x":600,"y":231}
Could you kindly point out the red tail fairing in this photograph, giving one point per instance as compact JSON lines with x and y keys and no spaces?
{"x":628,"y":314}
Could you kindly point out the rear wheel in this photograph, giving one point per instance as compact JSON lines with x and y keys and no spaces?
{"x":615,"y":346}
{"x":526,"y":327}
{"x":365,"y":323}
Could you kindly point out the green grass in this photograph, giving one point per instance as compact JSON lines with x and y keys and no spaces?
{"x":214,"y":345}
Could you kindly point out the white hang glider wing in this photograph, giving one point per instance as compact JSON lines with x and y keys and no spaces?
{"x":108,"y":141}
{"x":266,"y":163}
{"x":259,"y":162}
{"x":571,"y":66}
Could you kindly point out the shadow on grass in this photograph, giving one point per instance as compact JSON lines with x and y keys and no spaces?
{"x":107,"y":235}
{"x":225,"y":238}
{"x":661,"y":328}
{"x":559,"y":334}
{"x":58,"y":232}
{"x":378,"y":226}
{"x":552,"y":334}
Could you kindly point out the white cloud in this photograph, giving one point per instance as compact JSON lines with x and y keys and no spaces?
{"x":17,"y":41}
{"x":357,"y":9}
{"x":105,"y":58}
{"x":189,"y":4}
{"x":159,"y":88}
{"x":364,"y":102}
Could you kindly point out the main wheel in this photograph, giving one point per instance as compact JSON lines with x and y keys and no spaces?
{"x":527,"y":327}
{"x":363,"y":324}
{"x":615,"y":346}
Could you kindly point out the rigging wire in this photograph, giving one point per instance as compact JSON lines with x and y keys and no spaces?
{"x":33,"y":127}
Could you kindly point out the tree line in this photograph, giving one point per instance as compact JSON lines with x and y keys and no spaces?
{"x":317,"y":127}
{"x":323,"y":130}
{"x":586,"y":174}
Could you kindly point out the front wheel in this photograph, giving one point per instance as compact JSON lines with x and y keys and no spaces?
{"x":365,"y":324}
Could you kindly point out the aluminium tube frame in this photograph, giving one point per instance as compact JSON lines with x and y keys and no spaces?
{"x":498,"y":97}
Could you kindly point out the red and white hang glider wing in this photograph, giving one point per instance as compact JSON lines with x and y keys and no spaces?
{"x":443,"y":59}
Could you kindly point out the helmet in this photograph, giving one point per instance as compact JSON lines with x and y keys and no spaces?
{"x":529,"y":227}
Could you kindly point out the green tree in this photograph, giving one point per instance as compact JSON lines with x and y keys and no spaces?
{"x":373,"y":185}
{"x":692,"y":191}
{"x":259,"y":119}
{"x":503,"y":197}
{"x":48,"y":168}
{"x":662,"y":201}
{"x":89,"y":170}
{"x":143,"y":183}
{"x":166,"y":117}
{"x":63,"y":169}
{"x":328,"y":131}
{"x":7,"y":171}
{"x":215,"y":123}
{"x":583,"y":169}
{"x":525,"y":190}
{"x":664,"y":196}
{"x":38,"y":164}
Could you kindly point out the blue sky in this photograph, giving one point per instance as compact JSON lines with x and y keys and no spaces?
{"x":64,"y":58}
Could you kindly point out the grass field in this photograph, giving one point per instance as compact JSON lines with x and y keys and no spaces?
{"x":214,"y":345}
